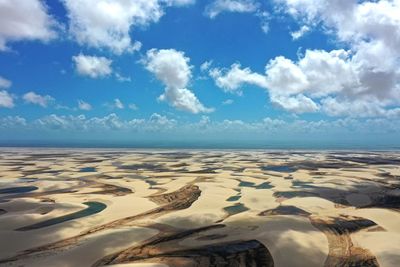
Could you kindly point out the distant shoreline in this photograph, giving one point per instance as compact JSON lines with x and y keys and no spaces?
{"x":156,"y":148}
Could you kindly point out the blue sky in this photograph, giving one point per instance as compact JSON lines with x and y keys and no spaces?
{"x":277,"y":71}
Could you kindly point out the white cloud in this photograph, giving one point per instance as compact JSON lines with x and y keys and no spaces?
{"x":133,"y":106}
{"x":205,"y":66}
{"x":4,"y":83}
{"x":300,"y":33}
{"x":118,"y":104}
{"x":318,"y":73}
{"x":25,"y":20}
{"x":367,"y":77}
{"x":296,"y":104}
{"x":253,"y":7}
{"x":230,"y":80}
{"x":82,"y":105}
{"x":240,"y":6}
{"x":264,"y":19}
{"x":111,"y":122}
{"x":227,"y":102}
{"x":13,"y":122}
{"x":178,"y":2}
{"x":122,"y":78}
{"x":172,"y":68}
{"x":107,"y":23}
{"x":92,"y":66}
{"x":157,"y":122}
{"x":360,"y":108}
{"x":267,"y":128}
{"x":352,"y":21}
{"x":6,"y":100}
{"x":337,"y":76}
{"x":33,"y":98}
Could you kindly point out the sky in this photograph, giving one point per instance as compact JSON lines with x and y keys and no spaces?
{"x":262,"y":73}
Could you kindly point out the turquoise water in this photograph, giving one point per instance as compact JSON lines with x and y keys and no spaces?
{"x":265,"y":185}
{"x":334,"y":143}
{"x":18,"y":190}
{"x":233,"y":198}
{"x":88,"y":169}
{"x":279,"y":168}
{"x":93,"y":208}
{"x":235,"y":209}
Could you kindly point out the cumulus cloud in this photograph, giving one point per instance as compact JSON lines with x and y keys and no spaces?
{"x":178,"y":2}
{"x":111,"y":122}
{"x":317,"y":76}
{"x":205,"y":66}
{"x":300,"y":33}
{"x":172,"y":68}
{"x":267,"y":128}
{"x":4,"y":83}
{"x":82,"y":105}
{"x":133,"y":106}
{"x":361,"y":81}
{"x":296,"y":104}
{"x":264,"y":17}
{"x":12,"y":122}
{"x":107,"y":23}
{"x":240,"y":6}
{"x":36,"y":99}
{"x":218,"y":7}
{"x":227,"y":102}
{"x":115,"y":104}
{"x":231,"y":80}
{"x":92,"y":66}
{"x":6,"y":100}
{"x":118,"y":104}
{"x":122,"y":78}
{"x":364,"y":79}
{"x":25,"y":20}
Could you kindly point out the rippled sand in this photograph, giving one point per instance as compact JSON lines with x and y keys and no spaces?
{"x":162,"y":208}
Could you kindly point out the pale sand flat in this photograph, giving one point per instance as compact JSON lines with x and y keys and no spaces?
{"x":282,"y":235}
{"x":95,"y":247}
{"x":118,"y":207}
{"x":384,"y":245}
{"x":207,"y":210}
{"x":315,"y":205}
{"x":258,"y":200}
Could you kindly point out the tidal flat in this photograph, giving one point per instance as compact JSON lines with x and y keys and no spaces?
{"x":160,"y":208}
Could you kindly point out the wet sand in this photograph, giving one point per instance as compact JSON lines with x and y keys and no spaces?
{"x":157,"y":208}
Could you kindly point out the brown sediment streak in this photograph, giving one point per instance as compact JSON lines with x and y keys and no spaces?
{"x":165,"y":199}
{"x":166,"y":249}
{"x":152,"y":246}
{"x":111,"y":189}
{"x":342,"y":251}
{"x":180,"y":199}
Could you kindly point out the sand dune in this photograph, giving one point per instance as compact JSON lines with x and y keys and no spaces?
{"x":158,"y":208}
